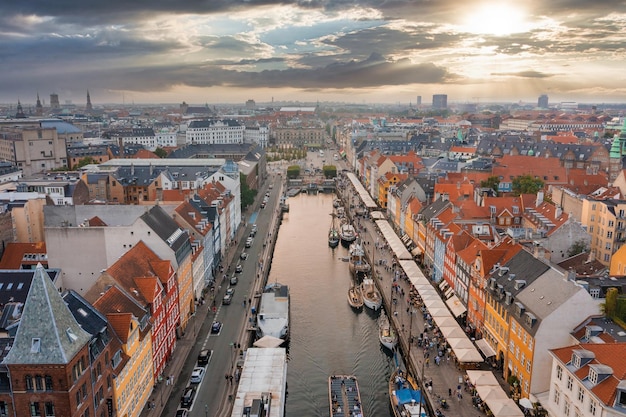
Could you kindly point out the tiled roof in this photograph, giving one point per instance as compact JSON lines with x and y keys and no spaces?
{"x":48,"y":333}
{"x":18,"y":254}
{"x":608,"y":354}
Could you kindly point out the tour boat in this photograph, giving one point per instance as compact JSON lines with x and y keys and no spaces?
{"x":273,"y":314}
{"x":344,"y":396}
{"x":406,"y":399}
{"x":358,"y":261}
{"x":355,"y":298}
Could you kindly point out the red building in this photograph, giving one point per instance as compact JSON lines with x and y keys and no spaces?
{"x":152,"y":283}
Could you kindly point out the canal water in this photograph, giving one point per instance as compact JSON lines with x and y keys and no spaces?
{"x":327,"y":335}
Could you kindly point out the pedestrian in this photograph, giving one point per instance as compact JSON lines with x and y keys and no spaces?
{"x":172,"y":379}
{"x":167,"y":380}
{"x":449,"y":392}
{"x":427,"y":361}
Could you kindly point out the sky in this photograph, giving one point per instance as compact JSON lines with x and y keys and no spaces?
{"x":357,"y":51}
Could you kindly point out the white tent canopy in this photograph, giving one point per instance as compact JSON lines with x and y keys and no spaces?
{"x":451,"y":332}
{"x":490,"y":392}
{"x":478,"y":378}
{"x":460,"y":343}
{"x":456,"y":306}
{"x":393,"y":240}
{"x":504,"y":408}
{"x":445,"y":321}
{"x":268,"y":341}
{"x":468,"y":355}
{"x":485,"y":348}
{"x":439,"y":312}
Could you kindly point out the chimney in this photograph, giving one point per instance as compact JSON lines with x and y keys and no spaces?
{"x":132,"y":168}
{"x":539,"y":199}
{"x":558,"y":212}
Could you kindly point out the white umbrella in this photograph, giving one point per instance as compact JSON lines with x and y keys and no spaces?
{"x":490,"y":392}
{"x":482,"y":378}
{"x":504,"y":408}
{"x":268,"y":342}
{"x":460,"y":343}
{"x":526,"y":403}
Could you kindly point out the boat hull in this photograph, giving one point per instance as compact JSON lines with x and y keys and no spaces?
{"x":371,"y":296}
{"x":404,"y":396}
{"x":274,"y":312}
{"x":386,"y":334}
{"x":333,"y":243}
{"x":355,"y":299}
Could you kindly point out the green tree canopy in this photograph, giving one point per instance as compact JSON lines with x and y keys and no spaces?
{"x":577,"y":247}
{"x":526,"y":184}
{"x":88,"y":160}
{"x":160,"y":152}
{"x":293,"y":171}
{"x":492,"y":182}
{"x":247,"y":194}
{"x":330,"y":171}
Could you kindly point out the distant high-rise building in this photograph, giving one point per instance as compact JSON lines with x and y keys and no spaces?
{"x":419,"y":100}
{"x":250,"y":104}
{"x":542,"y":102}
{"x":38,"y":107}
{"x":440,"y":101}
{"x":54,"y":101}
{"x":88,"y":107}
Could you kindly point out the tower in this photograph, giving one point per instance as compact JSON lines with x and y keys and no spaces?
{"x":20,"y":111}
{"x":440,"y":101}
{"x":54,"y":101}
{"x":618,"y":148}
{"x":542,"y":102}
{"x":38,"y":107}
{"x":88,"y":107}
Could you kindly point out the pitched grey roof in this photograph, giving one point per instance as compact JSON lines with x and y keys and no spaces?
{"x":167,"y":229}
{"x":48,"y":332}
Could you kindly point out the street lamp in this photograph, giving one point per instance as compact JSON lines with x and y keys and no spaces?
{"x":206,"y":410}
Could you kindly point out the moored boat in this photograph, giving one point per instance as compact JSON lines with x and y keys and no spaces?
{"x":371,"y":296}
{"x":358,"y":261}
{"x":355,"y":298}
{"x":273,"y":314}
{"x":347,"y":233}
{"x":406,"y":399}
{"x":333,"y":233}
{"x":344,"y":396}
{"x":386,"y":333}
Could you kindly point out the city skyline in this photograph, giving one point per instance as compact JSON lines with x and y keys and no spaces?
{"x":318,"y":50}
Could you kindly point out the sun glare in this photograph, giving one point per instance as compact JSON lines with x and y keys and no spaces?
{"x":496,"y":19}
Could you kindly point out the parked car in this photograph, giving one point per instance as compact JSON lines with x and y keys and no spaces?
{"x":186,"y":400}
{"x":238,"y":268}
{"x":263,"y":205}
{"x":243,"y":256}
{"x":216,"y":327}
{"x":181,"y":412}
{"x":249,"y":242}
{"x":255,"y":228}
{"x":196,"y":375}
{"x":204,"y":356}
{"x":234,"y":280}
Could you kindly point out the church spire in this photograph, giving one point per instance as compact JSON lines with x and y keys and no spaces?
{"x":20,"y":111}
{"x":38,"y":106}
{"x":89,"y":107}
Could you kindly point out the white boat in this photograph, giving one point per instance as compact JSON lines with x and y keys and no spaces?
{"x":371,"y":296}
{"x":273,"y":314}
{"x":347,"y":233}
{"x":358,"y":261}
{"x":355,"y":298}
{"x":344,"y":396}
{"x":386,"y":333}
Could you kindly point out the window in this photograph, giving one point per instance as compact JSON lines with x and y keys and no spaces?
{"x":593,"y":376}
{"x":557,"y":396}
{"x":38,"y":383}
{"x":609,"y":234}
{"x":592,"y":407}
{"x":581,"y":394}
{"x":34,"y":409}
{"x":570,"y":382}
{"x":566,"y":405}
{"x":3,"y":409}
{"x":559,"y":372}
{"x":35,"y":345}
{"x":48,"y":383}
{"x":621,"y":398}
{"x":49,"y":409}
{"x":29,"y":383}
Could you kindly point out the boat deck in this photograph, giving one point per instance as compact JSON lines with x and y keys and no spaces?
{"x":345,"y":399}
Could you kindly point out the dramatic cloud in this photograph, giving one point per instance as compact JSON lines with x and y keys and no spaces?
{"x":386,"y":50}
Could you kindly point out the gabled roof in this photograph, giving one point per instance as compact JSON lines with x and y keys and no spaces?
{"x":18,"y":254}
{"x":48,"y":333}
{"x":167,"y":229}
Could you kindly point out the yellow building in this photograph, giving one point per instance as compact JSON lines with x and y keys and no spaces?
{"x":133,"y":385}
{"x":618,"y":262}
{"x":531,"y":308}
{"x":606,"y":224}
{"x":385,"y":182}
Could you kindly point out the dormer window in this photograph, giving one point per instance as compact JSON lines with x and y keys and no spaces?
{"x":621,"y":394}
{"x":35,"y":345}
{"x":593,"y":376}
{"x":70,"y":335}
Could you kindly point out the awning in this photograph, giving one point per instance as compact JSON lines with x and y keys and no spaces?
{"x":416,"y":252}
{"x":443,"y":285}
{"x":482,"y":378}
{"x":405,"y":238}
{"x":485,"y":348}
{"x":455,"y":305}
{"x":504,"y":408}
{"x":377,"y":215}
{"x":449,"y":292}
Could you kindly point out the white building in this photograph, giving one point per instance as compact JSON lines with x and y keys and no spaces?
{"x":588,"y":380}
{"x":141,"y":136}
{"x":257,"y":134}
{"x":166,"y":138}
{"x":214,"y":132}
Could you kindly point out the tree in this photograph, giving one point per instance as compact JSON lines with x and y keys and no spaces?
{"x":525,"y":184}
{"x":247,"y":194}
{"x":492,"y":182}
{"x":293,"y":171}
{"x":577,"y":247}
{"x":330,"y":171}
{"x":610,"y":302}
{"x":160,"y":152}
{"x":88,"y":160}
